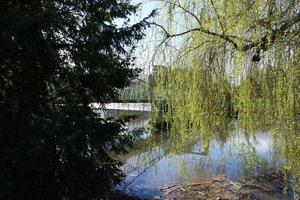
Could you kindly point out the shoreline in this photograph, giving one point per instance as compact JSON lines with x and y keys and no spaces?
{"x":266,"y":185}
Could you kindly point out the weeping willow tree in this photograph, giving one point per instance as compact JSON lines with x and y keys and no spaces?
{"x":230,"y":58}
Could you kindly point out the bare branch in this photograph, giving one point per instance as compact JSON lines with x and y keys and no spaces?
{"x":218,"y":16}
{"x":270,"y":39}
{"x":160,"y":26}
{"x":189,"y":12}
{"x":222,"y":36}
{"x":182,"y":8}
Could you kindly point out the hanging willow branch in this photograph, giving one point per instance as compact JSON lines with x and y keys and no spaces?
{"x":261,"y":44}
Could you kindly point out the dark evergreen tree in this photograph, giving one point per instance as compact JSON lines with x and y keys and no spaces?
{"x":57,"y":57}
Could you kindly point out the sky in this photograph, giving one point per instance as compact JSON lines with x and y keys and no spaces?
{"x":145,"y":9}
{"x":145,"y":48}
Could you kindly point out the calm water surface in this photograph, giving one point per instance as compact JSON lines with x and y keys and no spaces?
{"x":156,"y":161}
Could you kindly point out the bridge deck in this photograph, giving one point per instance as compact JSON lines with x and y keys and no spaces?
{"x":125,"y":106}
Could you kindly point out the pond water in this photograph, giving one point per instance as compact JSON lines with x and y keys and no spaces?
{"x":156,"y":161}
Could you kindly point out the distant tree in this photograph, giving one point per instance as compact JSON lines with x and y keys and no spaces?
{"x":57,"y":57}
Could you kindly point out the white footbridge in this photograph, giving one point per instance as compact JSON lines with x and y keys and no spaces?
{"x":145,"y":107}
